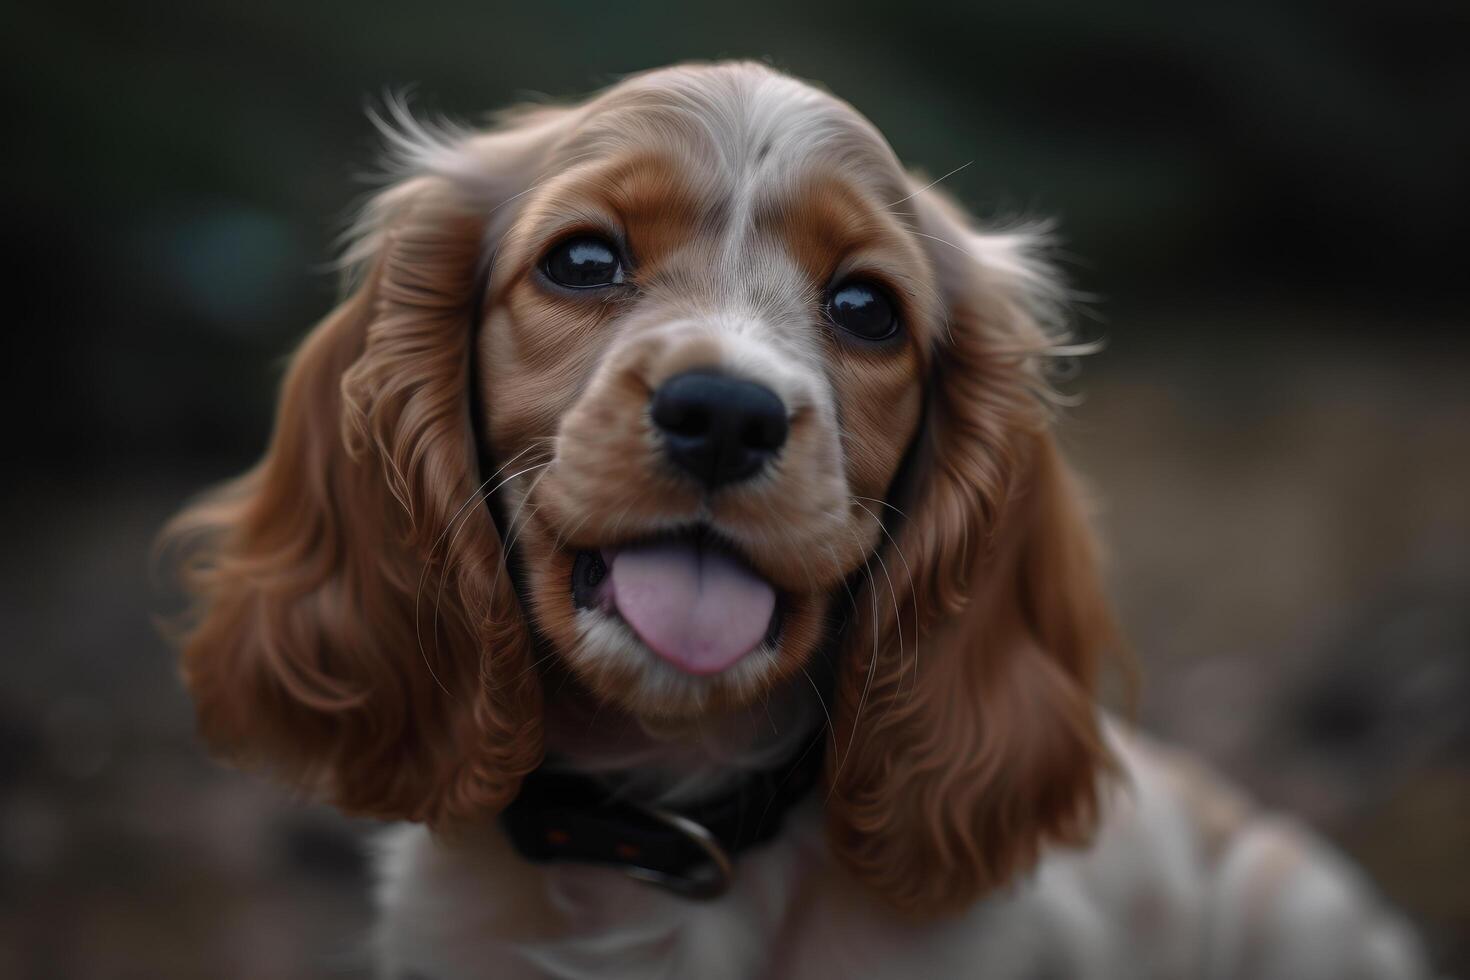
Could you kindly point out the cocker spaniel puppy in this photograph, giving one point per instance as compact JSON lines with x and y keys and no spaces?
{"x":669,"y":529}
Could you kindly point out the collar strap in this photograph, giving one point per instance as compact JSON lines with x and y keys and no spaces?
{"x":568,"y":816}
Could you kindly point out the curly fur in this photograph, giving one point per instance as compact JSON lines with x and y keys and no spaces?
{"x":362,"y":630}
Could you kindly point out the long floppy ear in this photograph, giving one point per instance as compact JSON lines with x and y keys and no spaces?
{"x":350,"y":632}
{"x":966,"y":733}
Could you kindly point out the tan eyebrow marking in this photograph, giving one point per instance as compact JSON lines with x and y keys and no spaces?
{"x":657,"y":205}
{"x":822,"y":220}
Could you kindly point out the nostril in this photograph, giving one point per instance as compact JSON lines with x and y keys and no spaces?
{"x":678,"y":409}
{"x":683,"y":418}
{"x":765,"y":431}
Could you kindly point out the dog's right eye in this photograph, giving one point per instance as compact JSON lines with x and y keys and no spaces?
{"x":584,"y":262}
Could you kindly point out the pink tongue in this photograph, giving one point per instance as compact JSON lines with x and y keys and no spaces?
{"x":695,"y":607}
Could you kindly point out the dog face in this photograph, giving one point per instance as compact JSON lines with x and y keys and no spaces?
{"x":710,"y":331}
{"x":740,"y":392}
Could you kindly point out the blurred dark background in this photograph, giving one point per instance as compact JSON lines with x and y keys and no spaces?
{"x":1269,"y":202}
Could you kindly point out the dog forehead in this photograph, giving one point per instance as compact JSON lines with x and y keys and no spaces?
{"x":740,"y":193}
{"x":741,"y":128}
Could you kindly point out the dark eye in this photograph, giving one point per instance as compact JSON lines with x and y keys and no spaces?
{"x":863,"y":310}
{"x":584,"y":262}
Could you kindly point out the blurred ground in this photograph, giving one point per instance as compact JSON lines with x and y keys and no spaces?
{"x":1289,"y":522}
{"x":1290,"y":548}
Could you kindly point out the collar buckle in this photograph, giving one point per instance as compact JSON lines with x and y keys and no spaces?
{"x":705,"y":881}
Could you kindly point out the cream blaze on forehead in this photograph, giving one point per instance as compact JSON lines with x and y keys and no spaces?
{"x":747,"y":152}
{"x":749,"y":126}
{"x":743,"y":195}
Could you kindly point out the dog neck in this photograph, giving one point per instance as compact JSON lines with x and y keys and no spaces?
{"x":673,"y":763}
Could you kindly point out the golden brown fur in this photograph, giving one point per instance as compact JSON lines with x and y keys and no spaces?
{"x":320,"y":651}
{"x":972,"y":755}
{"x":360,"y":631}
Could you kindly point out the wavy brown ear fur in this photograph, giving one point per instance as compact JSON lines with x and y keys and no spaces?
{"x":350,"y":632}
{"x":962,"y":750}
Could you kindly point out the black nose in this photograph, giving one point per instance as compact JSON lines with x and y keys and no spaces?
{"x":717,"y":428}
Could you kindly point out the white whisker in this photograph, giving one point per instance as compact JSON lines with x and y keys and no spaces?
{"x":449,"y":549}
{"x":909,"y":572}
{"x":429,"y":559}
{"x":868,"y":681}
{"x":931,"y":183}
{"x":512,"y":532}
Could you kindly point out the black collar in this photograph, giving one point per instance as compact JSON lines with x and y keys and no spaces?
{"x":568,"y":816}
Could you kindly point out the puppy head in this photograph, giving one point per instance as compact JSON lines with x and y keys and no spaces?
{"x":678,"y":323}
{"x":747,"y":394}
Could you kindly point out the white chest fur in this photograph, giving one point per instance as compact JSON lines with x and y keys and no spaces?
{"x":1159,"y":894}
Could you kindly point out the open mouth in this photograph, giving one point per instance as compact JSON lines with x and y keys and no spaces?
{"x":689,"y":597}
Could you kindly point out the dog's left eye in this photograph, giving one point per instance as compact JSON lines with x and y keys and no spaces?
{"x":584,"y":262}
